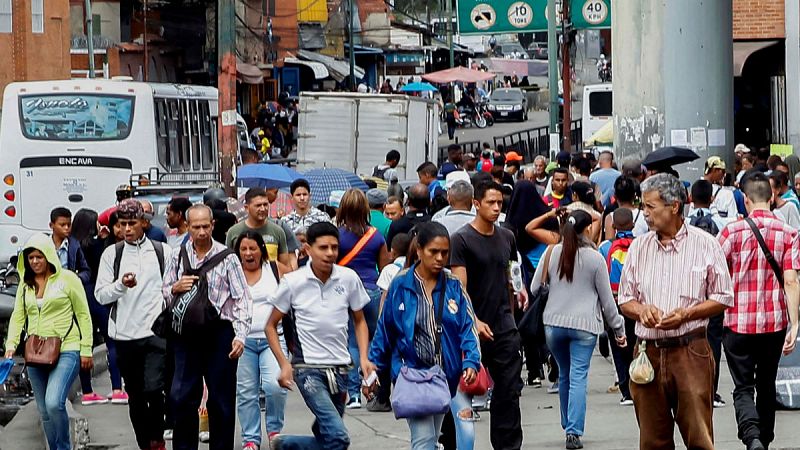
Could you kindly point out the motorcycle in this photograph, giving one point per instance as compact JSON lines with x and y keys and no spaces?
{"x":468,"y":116}
{"x":484,"y":111}
{"x":604,"y":73}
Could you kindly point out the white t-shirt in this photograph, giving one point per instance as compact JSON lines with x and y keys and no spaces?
{"x":262,"y":295}
{"x":389,"y":272}
{"x":789,"y":214}
{"x":321,"y":312}
{"x":176,"y":240}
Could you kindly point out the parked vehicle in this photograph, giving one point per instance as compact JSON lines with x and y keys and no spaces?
{"x":510,"y":50}
{"x":597,"y":108}
{"x":538,"y":50}
{"x":508,"y":103}
{"x":353,"y":131}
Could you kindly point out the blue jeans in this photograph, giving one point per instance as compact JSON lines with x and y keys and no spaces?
{"x":328,"y":428}
{"x":50,"y":388}
{"x":465,"y":426}
{"x":371,"y":311}
{"x":425,"y":431}
{"x":258,"y":371}
{"x":572,"y":350}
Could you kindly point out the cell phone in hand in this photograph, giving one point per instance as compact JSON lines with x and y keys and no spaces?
{"x":371,"y":379}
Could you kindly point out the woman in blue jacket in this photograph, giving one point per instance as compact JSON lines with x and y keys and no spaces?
{"x":406,"y":331}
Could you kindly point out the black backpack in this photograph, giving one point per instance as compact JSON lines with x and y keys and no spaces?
{"x":377,"y":172}
{"x":192,"y":311}
{"x":705,"y":222}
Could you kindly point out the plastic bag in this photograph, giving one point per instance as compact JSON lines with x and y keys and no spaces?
{"x":641,"y":370}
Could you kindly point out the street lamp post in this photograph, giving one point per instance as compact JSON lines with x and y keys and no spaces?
{"x":552,"y":64}
{"x":90,"y":37}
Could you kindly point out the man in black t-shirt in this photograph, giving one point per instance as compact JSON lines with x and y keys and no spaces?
{"x":480,"y":257}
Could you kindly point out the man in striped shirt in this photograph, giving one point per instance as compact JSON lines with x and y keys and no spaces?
{"x":755,"y":328}
{"x":675,"y":278}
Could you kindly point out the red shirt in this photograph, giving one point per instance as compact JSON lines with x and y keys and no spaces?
{"x":759,"y":301}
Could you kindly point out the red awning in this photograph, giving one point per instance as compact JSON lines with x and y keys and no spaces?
{"x":458,"y":74}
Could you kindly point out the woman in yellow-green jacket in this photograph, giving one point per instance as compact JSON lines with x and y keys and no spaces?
{"x":54,"y":303}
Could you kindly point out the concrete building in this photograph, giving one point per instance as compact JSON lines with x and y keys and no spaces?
{"x":766,"y":51}
{"x":35,"y":40}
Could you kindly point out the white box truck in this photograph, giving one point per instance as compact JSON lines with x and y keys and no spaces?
{"x":354,"y":132}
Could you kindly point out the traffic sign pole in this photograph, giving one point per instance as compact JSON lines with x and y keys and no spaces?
{"x":552,"y":65}
{"x":566,"y":121}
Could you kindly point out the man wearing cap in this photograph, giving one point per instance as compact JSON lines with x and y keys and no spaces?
{"x":377,"y":200}
{"x":605,"y":177}
{"x":470,"y":163}
{"x":724,"y":202}
{"x":152,"y":233}
{"x":513,"y":165}
{"x":134,"y":291}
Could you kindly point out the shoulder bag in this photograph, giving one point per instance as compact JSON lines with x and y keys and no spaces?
{"x":358,"y":247}
{"x":767,"y":253}
{"x":423,"y":392}
{"x":43,"y":352}
{"x":532,"y":323}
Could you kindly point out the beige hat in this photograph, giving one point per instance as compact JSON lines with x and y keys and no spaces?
{"x":714,"y":162}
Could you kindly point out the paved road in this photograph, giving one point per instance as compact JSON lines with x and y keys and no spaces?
{"x":608,"y":426}
{"x":535,"y":119}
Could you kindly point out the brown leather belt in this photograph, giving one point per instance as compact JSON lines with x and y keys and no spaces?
{"x":679,"y":341}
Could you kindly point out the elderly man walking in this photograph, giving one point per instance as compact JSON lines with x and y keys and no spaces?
{"x":675,"y":278}
{"x":763,"y":255}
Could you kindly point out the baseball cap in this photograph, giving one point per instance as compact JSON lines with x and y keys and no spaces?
{"x":741,"y":148}
{"x":563,"y":158}
{"x":468,"y":156}
{"x":377,"y":197}
{"x":714,"y":162}
{"x":513,"y":156}
{"x":130,"y":209}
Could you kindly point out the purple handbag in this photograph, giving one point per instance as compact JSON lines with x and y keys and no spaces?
{"x":423,"y":392}
{"x":420,"y":393}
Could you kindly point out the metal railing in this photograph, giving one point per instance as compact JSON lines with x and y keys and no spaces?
{"x":533,"y":142}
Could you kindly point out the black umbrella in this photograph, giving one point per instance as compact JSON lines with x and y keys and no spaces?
{"x":666,"y":157}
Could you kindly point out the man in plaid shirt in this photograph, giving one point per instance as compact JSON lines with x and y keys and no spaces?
{"x":756,"y":326}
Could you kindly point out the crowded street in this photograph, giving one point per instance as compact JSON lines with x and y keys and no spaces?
{"x":425,"y":225}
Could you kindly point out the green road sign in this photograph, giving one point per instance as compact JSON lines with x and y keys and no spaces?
{"x":523,"y":16}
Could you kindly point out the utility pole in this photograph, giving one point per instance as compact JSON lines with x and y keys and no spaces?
{"x":226,"y":83}
{"x":552,"y":64}
{"x":352,"y":46}
{"x":566,"y":121}
{"x":90,"y":37}
{"x":449,"y":8}
{"x":144,"y":41}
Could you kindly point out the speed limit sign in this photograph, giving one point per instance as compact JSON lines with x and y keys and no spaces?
{"x":595,"y":12}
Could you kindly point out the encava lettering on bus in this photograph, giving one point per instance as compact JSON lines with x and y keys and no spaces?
{"x":75,"y":161}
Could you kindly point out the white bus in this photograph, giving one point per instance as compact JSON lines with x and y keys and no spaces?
{"x":597,"y":108}
{"x":71,"y":143}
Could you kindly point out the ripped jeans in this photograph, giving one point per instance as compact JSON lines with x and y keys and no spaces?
{"x":425,"y":430}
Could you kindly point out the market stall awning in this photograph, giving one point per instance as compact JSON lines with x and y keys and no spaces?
{"x":743,"y":50}
{"x":458,"y":74}
{"x":248,"y":73}
{"x":339,"y":70}
{"x":319,"y":69}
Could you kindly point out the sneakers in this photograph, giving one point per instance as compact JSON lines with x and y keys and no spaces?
{"x":718,"y":401}
{"x":119,"y":398}
{"x":273,"y":435}
{"x":93,"y":399}
{"x":250,"y":446}
{"x":534,"y":382}
{"x":167,"y":435}
{"x":626,"y":402}
{"x":553,"y":389}
{"x":375,"y":405}
{"x":204,"y":436}
{"x":756,"y":444}
{"x":574,"y":441}
{"x":354,"y":403}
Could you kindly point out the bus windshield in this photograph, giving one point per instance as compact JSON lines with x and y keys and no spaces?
{"x":76,"y":117}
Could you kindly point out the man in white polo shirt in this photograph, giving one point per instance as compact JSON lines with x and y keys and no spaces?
{"x":319,"y":298}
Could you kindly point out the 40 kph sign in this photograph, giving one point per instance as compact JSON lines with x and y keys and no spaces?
{"x":595,"y":12}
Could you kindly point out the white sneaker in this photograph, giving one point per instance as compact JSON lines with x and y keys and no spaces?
{"x":167,"y":435}
{"x":354,"y":403}
{"x":204,"y":436}
{"x":626,"y":402}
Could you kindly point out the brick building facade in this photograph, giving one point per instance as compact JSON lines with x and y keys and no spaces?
{"x":758,"y":19}
{"x":38,"y":27}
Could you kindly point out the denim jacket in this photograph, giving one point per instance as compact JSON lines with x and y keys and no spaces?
{"x":394,"y":335}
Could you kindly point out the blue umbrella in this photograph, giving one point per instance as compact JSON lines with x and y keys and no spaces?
{"x":418,"y":86}
{"x":324,"y":181}
{"x":265,"y":176}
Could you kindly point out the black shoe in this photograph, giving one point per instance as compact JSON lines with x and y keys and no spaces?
{"x":756,"y":444}
{"x":574,"y":441}
{"x":375,"y":405}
